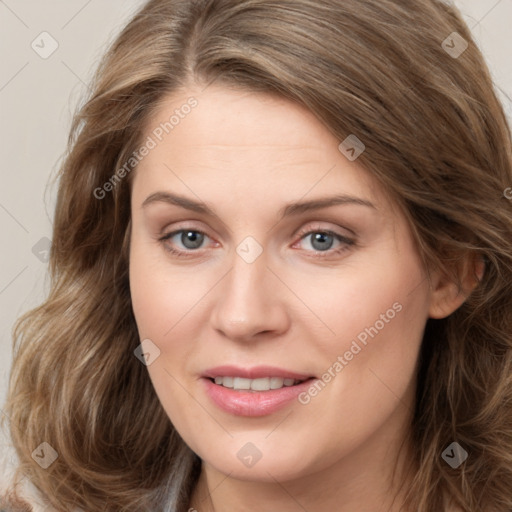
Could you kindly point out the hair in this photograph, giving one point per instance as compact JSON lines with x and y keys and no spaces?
{"x":436,"y":139}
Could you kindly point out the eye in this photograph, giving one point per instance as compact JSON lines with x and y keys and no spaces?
{"x":322,"y":241}
{"x":191,"y":240}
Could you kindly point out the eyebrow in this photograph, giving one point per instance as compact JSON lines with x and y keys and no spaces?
{"x":289,"y":209}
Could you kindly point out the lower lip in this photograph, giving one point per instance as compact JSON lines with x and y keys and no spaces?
{"x":253,"y":403}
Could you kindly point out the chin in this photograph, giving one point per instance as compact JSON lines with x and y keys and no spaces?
{"x":245,"y":462}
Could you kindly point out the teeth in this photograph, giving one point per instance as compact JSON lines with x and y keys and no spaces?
{"x":224,"y":381}
{"x":262,"y":384}
{"x":241,"y":383}
{"x":276,"y":382}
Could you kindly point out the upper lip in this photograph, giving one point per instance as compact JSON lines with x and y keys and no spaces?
{"x":255,"y":372}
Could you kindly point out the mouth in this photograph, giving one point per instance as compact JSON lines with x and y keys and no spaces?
{"x":258,"y":391}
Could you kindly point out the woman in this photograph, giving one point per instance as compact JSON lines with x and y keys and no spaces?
{"x":200,"y":348}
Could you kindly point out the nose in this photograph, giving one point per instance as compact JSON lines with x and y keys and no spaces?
{"x":250,"y":302}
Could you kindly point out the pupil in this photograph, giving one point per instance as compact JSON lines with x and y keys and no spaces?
{"x":193,"y":238}
{"x":321,"y":237}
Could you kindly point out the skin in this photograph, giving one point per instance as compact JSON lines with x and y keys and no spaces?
{"x":246,"y":155}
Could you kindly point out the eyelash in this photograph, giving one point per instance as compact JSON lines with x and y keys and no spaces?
{"x":303,"y":234}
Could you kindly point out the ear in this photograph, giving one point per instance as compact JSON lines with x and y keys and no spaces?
{"x":447,"y":294}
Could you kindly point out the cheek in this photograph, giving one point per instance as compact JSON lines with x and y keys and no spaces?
{"x":163,"y":304}
{"x":380,"y":296}
{"x":376,"y":314}
{"x":161,"y":295}
{"x":377,"y":317}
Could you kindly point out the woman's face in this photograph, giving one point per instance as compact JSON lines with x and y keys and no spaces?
{"x":258,"y":246}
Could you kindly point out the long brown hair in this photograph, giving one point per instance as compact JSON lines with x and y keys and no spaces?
{"x":394,"y":74}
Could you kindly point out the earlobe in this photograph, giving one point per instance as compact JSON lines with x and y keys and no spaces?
{"x":447,"y":295}
{"x":479,"y":265}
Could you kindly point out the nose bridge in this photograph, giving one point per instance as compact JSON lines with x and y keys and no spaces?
{"x":248,"y":269}
{"x":246,"y":290}
{"x":248,"y":300}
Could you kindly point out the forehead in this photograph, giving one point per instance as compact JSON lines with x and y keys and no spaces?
{"x":241,"y":143}
{"x":248,"y":114}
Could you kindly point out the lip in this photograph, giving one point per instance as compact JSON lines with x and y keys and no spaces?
{"x":251,"y":403}
{"x":256,"y":372}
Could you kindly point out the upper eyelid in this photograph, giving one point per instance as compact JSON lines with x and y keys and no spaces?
{"x":317,"y":227}
{"x":311,"y":226}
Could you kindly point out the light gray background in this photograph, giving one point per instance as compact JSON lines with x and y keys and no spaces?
{"x":38,"y":96}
